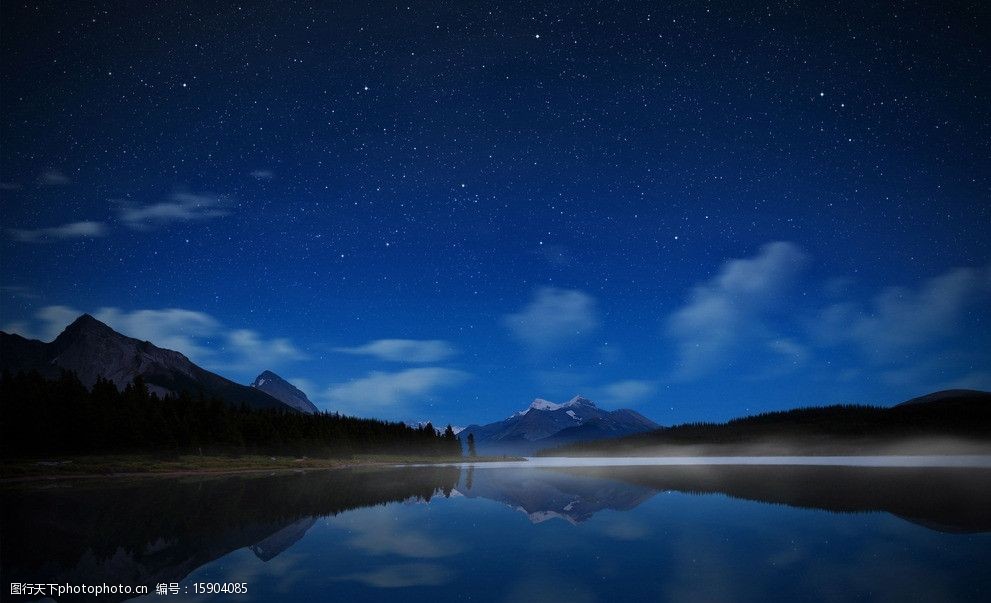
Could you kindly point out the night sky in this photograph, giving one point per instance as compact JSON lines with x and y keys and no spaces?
{"x":443,"y":210}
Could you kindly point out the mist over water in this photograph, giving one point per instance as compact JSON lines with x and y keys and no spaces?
{"x":975,"y":460}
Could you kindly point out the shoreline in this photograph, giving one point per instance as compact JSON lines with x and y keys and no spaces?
{"x":137,"y":466}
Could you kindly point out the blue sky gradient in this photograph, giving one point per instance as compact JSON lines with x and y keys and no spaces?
{"x":441,"y":212}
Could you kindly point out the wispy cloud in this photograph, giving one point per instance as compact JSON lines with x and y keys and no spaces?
{"x":10,"y":186}
{"x":402,"y":575}
{"x":729,"y":309}
{"x":180,"y":207}
{"x":403,"y":350}
{"x":262,"y":174}
{"x":917,"y":337}
{"x":901,"y":320}
{"x":72,"y":230}
{"x":46,"y":324}
{"x":384,"y":391}
{"x":54,"y":178}
{"x":628,"y":392}
{"x":553,"y":317}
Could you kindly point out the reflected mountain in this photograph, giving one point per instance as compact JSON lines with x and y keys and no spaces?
{"x":543,"y":495}
{"x":155,"y":530}
{"x":956,"y":500}
{"x":270,"y":547}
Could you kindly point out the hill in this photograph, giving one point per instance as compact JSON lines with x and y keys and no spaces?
{"x":954,"y":421}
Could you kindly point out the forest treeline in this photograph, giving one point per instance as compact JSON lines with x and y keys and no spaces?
{"x":39,"y":416}
{"x":813,"y":430}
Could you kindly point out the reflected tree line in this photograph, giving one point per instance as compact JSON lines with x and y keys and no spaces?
{"x":147,"y":531}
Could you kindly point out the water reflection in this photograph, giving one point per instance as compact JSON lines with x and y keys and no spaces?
{"x":163,"y":530}
{"x":944,"y":499}
{"x":543,"y":495}
{"x":150,"y":531}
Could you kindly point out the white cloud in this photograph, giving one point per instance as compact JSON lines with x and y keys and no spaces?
{"x":404,"y":350}
{"x":627,"y":392}
{"x":376,"y":531}
{"x":729,"y":308}
{"x":901,"y":321}
{"x":181,"y":207}
{"x":47,"y":324}
{"x":54,"y":178}
{"x":262,"y":174}
{"x":201,"y":337}
{"x":404,"y":575}
{"x":72,"y":230}
{"x":381,"y":390}
{"x":174,"y":328}
{"x":554,"y":317}
{"x":251,"y":352}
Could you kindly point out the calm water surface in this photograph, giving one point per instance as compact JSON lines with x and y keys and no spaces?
{"x":511,"y":533}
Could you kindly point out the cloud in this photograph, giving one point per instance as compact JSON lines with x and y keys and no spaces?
{"x":54,"y":178}
{"x":627,"y":392}
{"x":404,"y":350}
{"x":72,"y":230}
{"x":375,"y":531}
{"x":186,"y":331}
{"x":180,"y":207}
{"x":262,"y":174}
{"x":553,"y":317}
{"x":201,"y":337}
{"x":47,"y":324}
{"x":901,"y":321}
{"x":729,"y":309}
{"x":9,"y":186}
{"x":250,"y":351}
{"x":403,"y":575}
{"x":381,"y":390}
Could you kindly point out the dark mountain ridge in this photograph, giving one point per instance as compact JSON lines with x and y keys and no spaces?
{"x":92,"y":350}
{"x":952,"y":421}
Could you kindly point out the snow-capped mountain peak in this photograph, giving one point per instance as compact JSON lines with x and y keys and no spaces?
{"x":541,"y":404}
{"x":579,"y":400}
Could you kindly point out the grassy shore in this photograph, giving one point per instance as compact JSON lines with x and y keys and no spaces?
{"x":136,"y":465}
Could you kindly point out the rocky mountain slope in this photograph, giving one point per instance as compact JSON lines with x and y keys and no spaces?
{"x":91,"y":349}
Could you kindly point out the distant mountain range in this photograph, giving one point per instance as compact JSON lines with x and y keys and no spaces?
{"x":545,"y":424}
{"x":947,"y":422}
{"x":283,"y":391}
{"x":91,"y":349}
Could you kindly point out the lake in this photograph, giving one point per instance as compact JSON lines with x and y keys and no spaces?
{"x":606,"y":531}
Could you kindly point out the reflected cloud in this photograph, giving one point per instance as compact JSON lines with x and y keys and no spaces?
{"x":378,"y":532}
{"x":403,"y":575}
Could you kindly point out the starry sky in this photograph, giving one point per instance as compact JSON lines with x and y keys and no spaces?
{"x":443,"y":210}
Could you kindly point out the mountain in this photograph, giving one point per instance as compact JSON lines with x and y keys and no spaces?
{"x":283,"y":391}
{"x":91,"y":349}
{"x":949,"y":397}
{"x":945,"y":422}
{"x":544,"y":424}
